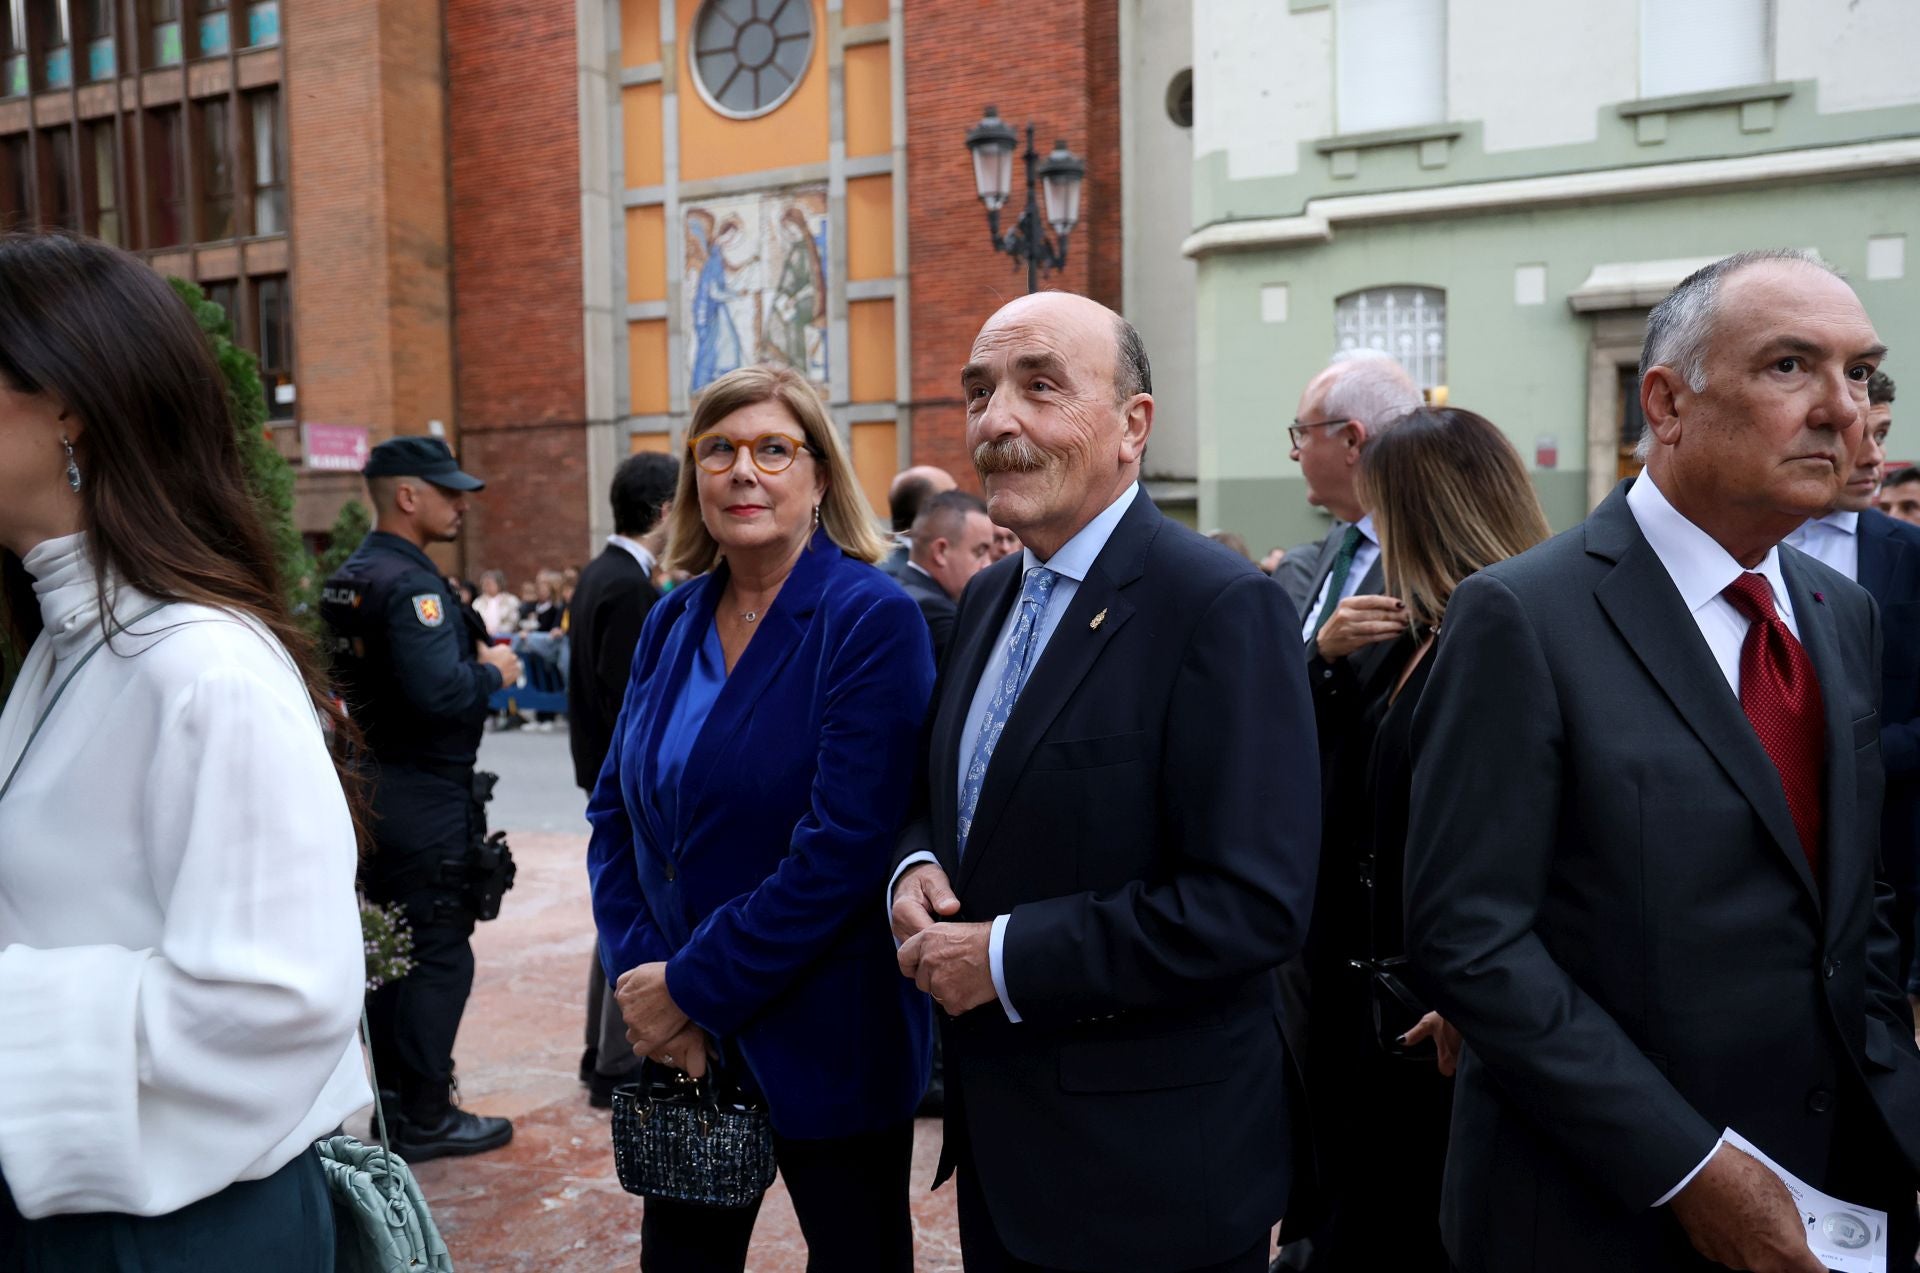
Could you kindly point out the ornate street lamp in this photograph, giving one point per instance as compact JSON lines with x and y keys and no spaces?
{"x":1060,"y":176}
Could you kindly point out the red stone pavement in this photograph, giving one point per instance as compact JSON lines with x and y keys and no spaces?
{"x":550,"y":1202}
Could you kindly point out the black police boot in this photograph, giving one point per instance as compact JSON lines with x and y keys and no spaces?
{"x":390,"y":1103}
{"x":457,"y":1133}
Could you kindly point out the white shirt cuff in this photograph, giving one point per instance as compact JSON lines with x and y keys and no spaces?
{"x":912,"y":860}
{"x":996,"y":945}
{"x":1688,"y":1178}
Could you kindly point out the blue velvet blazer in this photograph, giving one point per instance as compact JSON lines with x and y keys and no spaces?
{"x":765,"y":896}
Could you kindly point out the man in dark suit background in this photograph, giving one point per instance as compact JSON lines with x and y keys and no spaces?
{"x":1640,"y":876}
{"x":910,"y":489}
{"x":952,"y":541}
{"x":1346,"y":622}
{"x":610,"y":603}
{"x":1883,"y":556}
{"x":1095,"y":888}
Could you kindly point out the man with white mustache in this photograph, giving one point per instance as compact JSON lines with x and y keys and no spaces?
{"x":1093,"y":886}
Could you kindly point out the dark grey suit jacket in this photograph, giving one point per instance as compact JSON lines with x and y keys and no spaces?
{"x":936,"y":607}
{"x":1606,"y":894}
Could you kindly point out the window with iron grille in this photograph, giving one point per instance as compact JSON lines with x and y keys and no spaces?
{"x":1408,"y":322}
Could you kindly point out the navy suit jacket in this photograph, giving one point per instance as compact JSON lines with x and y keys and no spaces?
{"x":763,"y":896}
{"x":1890,"y":570}
{"x":1150,"y":820}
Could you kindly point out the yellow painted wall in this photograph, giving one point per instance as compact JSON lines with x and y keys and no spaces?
{"x":639,"y":32}
{"x":647,"y":254}
{"x":659,"y":443}
{"x":870,"y":227}
{"x":870,"y":350}
{"x":647,"y":365}
{"x":869,"y":100}
{"x":858,"y":13}
{"x":712,"y":145}
{"x":874,"y":461}
{"x":640,"y":122}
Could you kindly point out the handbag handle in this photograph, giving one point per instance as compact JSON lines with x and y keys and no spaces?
{"x":395,"y":1197}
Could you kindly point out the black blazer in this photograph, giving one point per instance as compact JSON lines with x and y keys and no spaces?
{"x":1340,"y":685}
{"x":936,"y":607}
{"x":1606,"y":894}
{"x":1136,"y":1118}
{"x":1890,"y":570}
{"x":610,"y":602}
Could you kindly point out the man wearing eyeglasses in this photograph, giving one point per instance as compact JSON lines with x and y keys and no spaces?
{"x":1347,"y":626}
{"x":1343,"y":612}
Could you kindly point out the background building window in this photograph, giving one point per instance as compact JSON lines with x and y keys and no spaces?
{"x":103,"y":184}
{"x":1704,"y":44}
{"x":214,"y":32}
{"x":101,"y":62}
{"x":1390,"y":63}
{"x":275,"y":331}
{"x":57,"y":209}
{"x":263,"y":23}
{"x":13,"y":59}
{"x":216,"y":171}
{"x":1408,"y":322}
{"x":269,"y":168}
{"x":748,"y":55}
{"x":1180,"y":98}
{"x":15,"y":186}
{"x":167,"y":177}
{"x":163,"y":17}
{"x":227,"y":297}
{"x":58,"y":37}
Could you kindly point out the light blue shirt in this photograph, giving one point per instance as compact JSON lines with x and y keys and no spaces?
{"x":1071,"y":564}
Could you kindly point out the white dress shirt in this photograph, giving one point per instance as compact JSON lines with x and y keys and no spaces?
{"x":634,"y":549}
{"x":1833,"y":539}
{"x":1071,"y":564}
{"x":181,"y":963}
{"x":1701,"y":569}
{"x":1364,"y":555}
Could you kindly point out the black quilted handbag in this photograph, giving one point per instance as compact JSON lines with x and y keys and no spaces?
{"x":698,"y":1141}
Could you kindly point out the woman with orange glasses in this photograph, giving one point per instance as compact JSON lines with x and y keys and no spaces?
{"x":744,"y":826}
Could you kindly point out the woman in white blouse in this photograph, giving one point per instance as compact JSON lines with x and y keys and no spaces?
{"x":181,"y":966}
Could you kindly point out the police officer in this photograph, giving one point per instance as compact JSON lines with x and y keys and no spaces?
{"x":417,"y":683}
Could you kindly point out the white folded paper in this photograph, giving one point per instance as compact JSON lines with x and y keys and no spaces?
{"x":1845,"y":1237}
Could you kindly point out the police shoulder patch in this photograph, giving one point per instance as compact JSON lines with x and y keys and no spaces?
{"x":426,"y":608}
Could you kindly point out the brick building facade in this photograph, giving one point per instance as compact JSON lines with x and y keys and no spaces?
{"x":486,"y":219}
{"x":1070,"y":89}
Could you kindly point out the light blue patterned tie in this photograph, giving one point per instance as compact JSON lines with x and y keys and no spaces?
{"x":1034,"y":594}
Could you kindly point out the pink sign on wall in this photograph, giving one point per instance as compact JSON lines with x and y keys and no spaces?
{"x":334,"y":448}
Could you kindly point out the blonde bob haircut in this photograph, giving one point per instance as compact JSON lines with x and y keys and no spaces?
{"x":843,"y":509}
{"x":1450,"y":496}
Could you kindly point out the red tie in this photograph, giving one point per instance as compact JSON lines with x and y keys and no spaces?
{"x":1781,"y":697}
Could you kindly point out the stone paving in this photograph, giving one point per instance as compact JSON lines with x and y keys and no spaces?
{"x":550,"y":1202}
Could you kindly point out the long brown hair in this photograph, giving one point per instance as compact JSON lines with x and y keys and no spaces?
{"x":1449,"y":496}
{"x":843,"y":509}
{"x":165,"y":499}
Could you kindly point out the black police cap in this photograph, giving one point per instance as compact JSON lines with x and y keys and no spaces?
{"x":422,"y":457}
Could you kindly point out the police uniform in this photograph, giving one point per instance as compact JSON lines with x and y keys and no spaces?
{"x":405,"y":662}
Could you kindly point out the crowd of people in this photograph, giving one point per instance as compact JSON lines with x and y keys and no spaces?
{"x":1467,"y":897}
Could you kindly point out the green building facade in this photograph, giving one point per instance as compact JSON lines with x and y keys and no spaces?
{"x":1519,"y":183}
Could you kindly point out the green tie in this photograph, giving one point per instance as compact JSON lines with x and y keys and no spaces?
{"x":1342,"y":564}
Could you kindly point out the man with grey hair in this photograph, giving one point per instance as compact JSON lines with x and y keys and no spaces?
{"x":1644,"y":831}
{"x":1346,"y":622}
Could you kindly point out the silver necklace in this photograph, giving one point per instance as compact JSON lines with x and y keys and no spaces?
{"x":749,"y":615}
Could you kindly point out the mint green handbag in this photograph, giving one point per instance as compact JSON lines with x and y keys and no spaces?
{"x":380,"y":1220}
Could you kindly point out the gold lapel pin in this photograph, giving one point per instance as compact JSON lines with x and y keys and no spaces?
{"x":1098,"y":619}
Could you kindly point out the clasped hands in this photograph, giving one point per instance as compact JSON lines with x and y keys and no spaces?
{"x":949,"y":961}
{"x":656,"y":1027}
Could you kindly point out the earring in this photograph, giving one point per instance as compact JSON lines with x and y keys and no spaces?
{"x":816,"y":517}
{"x":73,"y":469}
